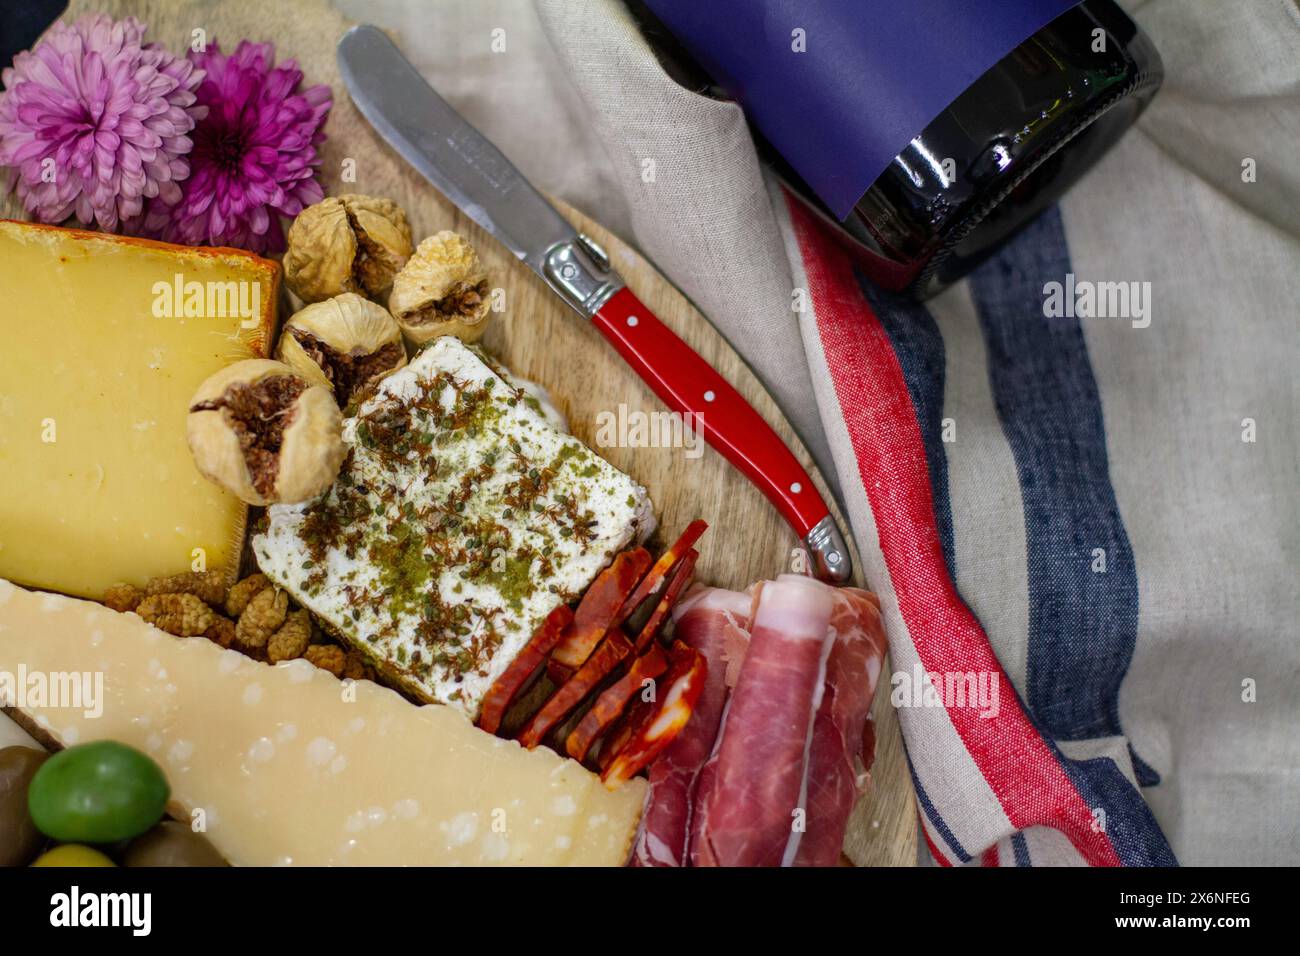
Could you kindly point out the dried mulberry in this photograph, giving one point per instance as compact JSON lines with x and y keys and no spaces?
{"x":123,"y":597}
{"x":243,"y":592}
{"x":181,"y":614}
{"x":221,"y":632}
{"x":262,"y":618}
{"x":328,"y":657}
{"x":207,"y":586}
{"x":291,"y":639}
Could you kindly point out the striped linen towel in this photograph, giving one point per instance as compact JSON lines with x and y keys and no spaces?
{"x":1098,"y":517}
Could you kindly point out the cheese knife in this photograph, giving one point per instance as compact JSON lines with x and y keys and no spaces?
{"x":473,"y":174}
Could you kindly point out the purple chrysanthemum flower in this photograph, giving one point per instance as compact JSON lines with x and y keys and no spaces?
{"x":254,"y":157}
{"x":94,"y":122}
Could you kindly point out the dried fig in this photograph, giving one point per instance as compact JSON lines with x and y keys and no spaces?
{"x":344,"y":343}
{"x":265,"y":433}
{"x":346,"y":243}
{"x":442,"y":290}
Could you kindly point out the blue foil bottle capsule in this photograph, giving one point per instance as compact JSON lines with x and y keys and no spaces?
{"x":926,"y":131}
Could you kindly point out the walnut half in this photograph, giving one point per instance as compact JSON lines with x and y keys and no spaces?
{"x":263,"y":432}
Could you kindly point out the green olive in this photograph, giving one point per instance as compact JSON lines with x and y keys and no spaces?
{"x":97,"y":793}
{"x":171,"y":843}
{"x":19,"y":838}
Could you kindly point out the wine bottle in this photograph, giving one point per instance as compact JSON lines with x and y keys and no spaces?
{"x":926,"y":131}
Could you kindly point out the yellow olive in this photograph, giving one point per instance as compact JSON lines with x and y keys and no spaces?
{"x":73,"y":854}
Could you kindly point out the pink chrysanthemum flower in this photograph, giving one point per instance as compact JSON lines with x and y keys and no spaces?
{"x":254,"y":157}
{"x":94,"y":122}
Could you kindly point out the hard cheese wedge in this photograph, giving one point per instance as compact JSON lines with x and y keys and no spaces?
{"x":98,"y":360}
{"x":291,"y":766}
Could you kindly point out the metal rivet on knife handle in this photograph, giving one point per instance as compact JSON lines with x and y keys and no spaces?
{"x":829,"y":553}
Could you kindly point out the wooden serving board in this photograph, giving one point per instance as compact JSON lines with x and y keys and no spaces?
{"x":539,"y":338}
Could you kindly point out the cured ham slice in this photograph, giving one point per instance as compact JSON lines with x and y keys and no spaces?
{"x":753,"y":814}
{"x":769,"y":775}
{"x":843,"y":742}
{"x":711,"y":621}
{"x":735,"y":645}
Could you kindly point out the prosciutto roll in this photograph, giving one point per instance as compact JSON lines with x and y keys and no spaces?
{"x":736,"y":648}
{"x":843,"y":742}
{"x":713,"y":622}
{"x":755,"y":809}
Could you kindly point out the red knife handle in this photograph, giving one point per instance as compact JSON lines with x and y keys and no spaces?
{"x":688,"y":384}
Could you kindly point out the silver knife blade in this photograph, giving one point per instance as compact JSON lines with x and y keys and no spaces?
{"x":446,"y":150}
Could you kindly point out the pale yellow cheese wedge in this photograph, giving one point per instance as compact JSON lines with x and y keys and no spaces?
{"x":98,"y":362}
{"x":287,"y":765}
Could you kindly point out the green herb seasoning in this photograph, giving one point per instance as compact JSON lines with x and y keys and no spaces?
{"x":460,"y":519}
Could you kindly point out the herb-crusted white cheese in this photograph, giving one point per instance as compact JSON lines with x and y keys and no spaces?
{"x":460,"y":519}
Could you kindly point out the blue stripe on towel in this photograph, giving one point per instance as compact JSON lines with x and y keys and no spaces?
{"x":1082,"y":624}
{"x":937,"y":821}
{"x":1021,"y":848}
{"x":918,"y":345}
{"x":1127,"y":819}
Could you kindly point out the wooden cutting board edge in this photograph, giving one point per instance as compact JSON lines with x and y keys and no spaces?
{"x":883,"y":827}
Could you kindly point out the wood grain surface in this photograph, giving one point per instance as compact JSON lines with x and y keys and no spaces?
{"x":540,"y":338}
